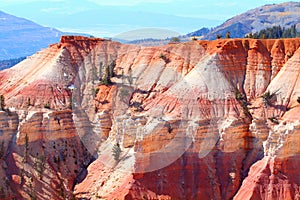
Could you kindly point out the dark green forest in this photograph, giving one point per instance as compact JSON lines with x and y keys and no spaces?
{"x":275,"y":32}
{"x":5,"y":64}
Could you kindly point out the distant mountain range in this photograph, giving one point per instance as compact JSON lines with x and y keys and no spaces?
{"x":20,"y":37}
{"x":285,"y":15}
{"x":110,"y":19}
{"x":5,"y":64}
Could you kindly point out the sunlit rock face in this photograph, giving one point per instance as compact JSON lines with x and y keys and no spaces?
{"x":197,"y":120}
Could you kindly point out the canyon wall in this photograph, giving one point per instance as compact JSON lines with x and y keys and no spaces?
{"x":197,"y":120}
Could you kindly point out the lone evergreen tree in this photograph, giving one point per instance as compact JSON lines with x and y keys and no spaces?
{"x":109,"y":72}
{"x":130,"y":78}
{"x":228,"y":34}
{"x":116,"y":151}
{"x":2,"y":102}
{"x":26,"y":148}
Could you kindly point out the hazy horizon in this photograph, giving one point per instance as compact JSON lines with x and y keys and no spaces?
{"x":107,"y":19}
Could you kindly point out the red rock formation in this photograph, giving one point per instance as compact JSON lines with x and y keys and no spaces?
{"x":189,"y":117}
{"x":44,"y":155}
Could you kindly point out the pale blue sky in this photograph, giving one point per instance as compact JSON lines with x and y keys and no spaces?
{"x":102,"y":17}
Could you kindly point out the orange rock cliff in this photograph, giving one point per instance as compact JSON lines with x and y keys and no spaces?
{"x":197,"y":120}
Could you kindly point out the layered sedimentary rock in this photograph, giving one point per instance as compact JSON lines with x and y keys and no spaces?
{"x":197,"y":120}
{"x":44,"y":156}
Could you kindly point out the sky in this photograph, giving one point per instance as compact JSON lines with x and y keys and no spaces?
{"x":111,"y":17}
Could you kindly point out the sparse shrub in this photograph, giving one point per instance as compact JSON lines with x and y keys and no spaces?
{"x":1,"y":149}
{"x":246,"y":44}
{"x":129,"y":77}
{"x":266,"y":95}
{"x":116,"y":151}
{"x":69,"y":106}
{"x":298,"y":100}
{"x":274,"y":120}
{"x":238,"y":95}
{"x":267,"y":98}
{"x":194,"y":39}
{"x":170,"y":129}
{"x":243,"y":102}
{"x":175,"y":39}
{"x":219,"y":36}
{"x":164,"y":57}
{"x":289,"y":54}
{"x":246,"y":109}
{"x":95,"y":91}
{"x":47,"y":105}
{"x":106,"y":81}
{"x":137,"y":106}
{"x":28,"y":102}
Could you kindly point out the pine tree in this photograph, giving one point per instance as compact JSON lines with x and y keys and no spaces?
{"x":228,"y":34}
{"x":26,"y":148}
{"x":109,"y":73}
{"x":116,"y":151}
{"x":219,"y":36}
{"x":106,"y":80}
{"x":276,"y":32}
{"x":130,"y":78}
{"x":2,"y":102}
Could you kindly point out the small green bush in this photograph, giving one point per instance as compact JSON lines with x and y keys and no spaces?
{"x":164,"y":57}
{"x":246,"y":44}
{"x":95,"y":91}
{"x":238,"y":95}
{"x":267,"y":96}
{"x":47,"y":105}
{"x":274,"y":120}
{"x":219,"y":36}
{"x":175,"y":39}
